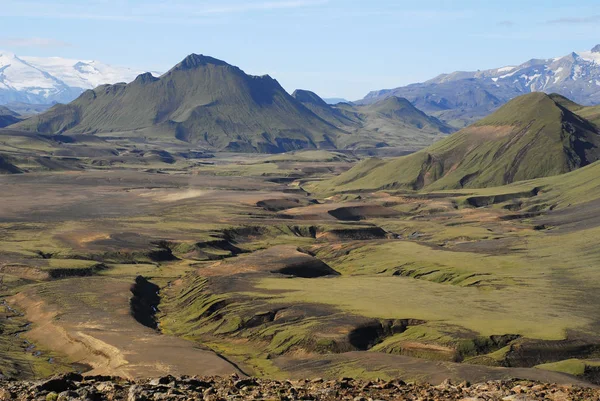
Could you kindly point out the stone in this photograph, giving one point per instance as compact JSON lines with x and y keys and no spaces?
{"x":241,"y":389}
{"x":67,"y":396}
{"x":5,"y":395}
{"x":57,"y":385}
{"x":136,"y":393}
{"x":245,"y":383}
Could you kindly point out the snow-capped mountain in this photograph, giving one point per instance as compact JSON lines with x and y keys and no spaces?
{"x":39,"y":80}
{"x":467,"y":96}
{"x":576,"y":75}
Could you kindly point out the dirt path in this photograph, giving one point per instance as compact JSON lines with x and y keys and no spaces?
{"x":88,"y":321}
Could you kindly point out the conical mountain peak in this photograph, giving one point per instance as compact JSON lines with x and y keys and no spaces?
{"x":197,"y":60}
{"x":202,"y":100}
{"x":394,"y":101}
{"x":534,"y":135}
{"x":306,"y":96}
{"x":145,"y":78}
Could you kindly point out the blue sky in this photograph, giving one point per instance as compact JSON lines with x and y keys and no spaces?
{"x":338,"y":48}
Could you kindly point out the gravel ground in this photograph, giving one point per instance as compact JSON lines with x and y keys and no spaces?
{"x":77,"y":387}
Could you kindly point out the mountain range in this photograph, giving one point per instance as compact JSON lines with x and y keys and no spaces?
{"x":39,"y":80}
{"x":535,"y":135}
{"x":461,"y":98}
{"x":207,"y":102}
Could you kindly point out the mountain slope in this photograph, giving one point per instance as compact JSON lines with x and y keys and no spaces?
{"x":391,"y":122}
{"x":381,"y":123}
{"x":8,"y":117}
{"x":400,"y":109}
{"x":590,"y":113}
{"x":463,"y":97}
{"x":201,"y":100}
{"x":28,"y":109}
{"x":39,"y":80}
{"x":529,"y":137}
{"x":314,"y":103}
{"x":6,"y":167}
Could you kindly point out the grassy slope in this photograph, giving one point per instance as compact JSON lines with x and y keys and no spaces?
{"x":540,"y":288}
{"x":313,"y":102}
{"x":390,"y":122}
{"x":590,"y":113}
{"x":394,"y":122}
{"x":8,"y":117}
{"x":532,"y":136}
{"x":207,"y":102}
{"x":6,"y":167}
{"x":201,"y":100}
{"x":541,"y":285}
{"x":577,"y":187}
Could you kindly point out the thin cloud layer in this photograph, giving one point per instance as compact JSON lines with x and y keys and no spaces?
{"x":593,"y":19}
{"x":32,"y":42}
{"x":153,"y":11}
{"x":507,"y":23}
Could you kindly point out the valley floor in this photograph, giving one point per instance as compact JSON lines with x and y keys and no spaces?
{"x":238,"y":268}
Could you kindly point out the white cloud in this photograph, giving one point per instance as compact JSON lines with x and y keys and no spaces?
{"x":32,"y":42}
{"x":154,"y":11}
{"x":260,"y":6}
{"x":507,"y":23}
{"x":592,"y":19}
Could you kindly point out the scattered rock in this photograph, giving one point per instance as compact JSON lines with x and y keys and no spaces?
{"x":57,"y":385}
{"x":100,"y":388}
{"x":245,"y":383}
{"x":5,"y":395}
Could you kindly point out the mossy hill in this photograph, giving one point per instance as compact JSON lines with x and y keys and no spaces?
{"x":8,"y":117}
{"x":391,"y":122}
{"x":532,"y":136}
{"x":201,"y":100}
{"x":207,"y":102}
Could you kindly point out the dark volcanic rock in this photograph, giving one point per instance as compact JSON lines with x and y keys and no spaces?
{"x":170,"y":388}
{"x":57,"y":385}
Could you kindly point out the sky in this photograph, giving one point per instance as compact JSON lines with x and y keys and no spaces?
{"x":337,"y":48}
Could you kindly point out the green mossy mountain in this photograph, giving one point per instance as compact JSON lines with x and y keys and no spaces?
{"x":532,"y":136}
{"x":404,"y":112}
{"x":391,"y":122}
{"x":329,"y":113}
{"x":590,"y":113}
{"x":8,"y":117}
{"x":201,"y":100}
{"x":209,"y":103}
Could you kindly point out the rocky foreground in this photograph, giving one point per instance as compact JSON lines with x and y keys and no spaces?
{"x":95,"y":388}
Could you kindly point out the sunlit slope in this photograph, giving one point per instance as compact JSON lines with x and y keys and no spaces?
{"x":391,"y":122}
{"x":530,"y":137}
{"x":590,"y":113}
{"x":8,"y":117}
